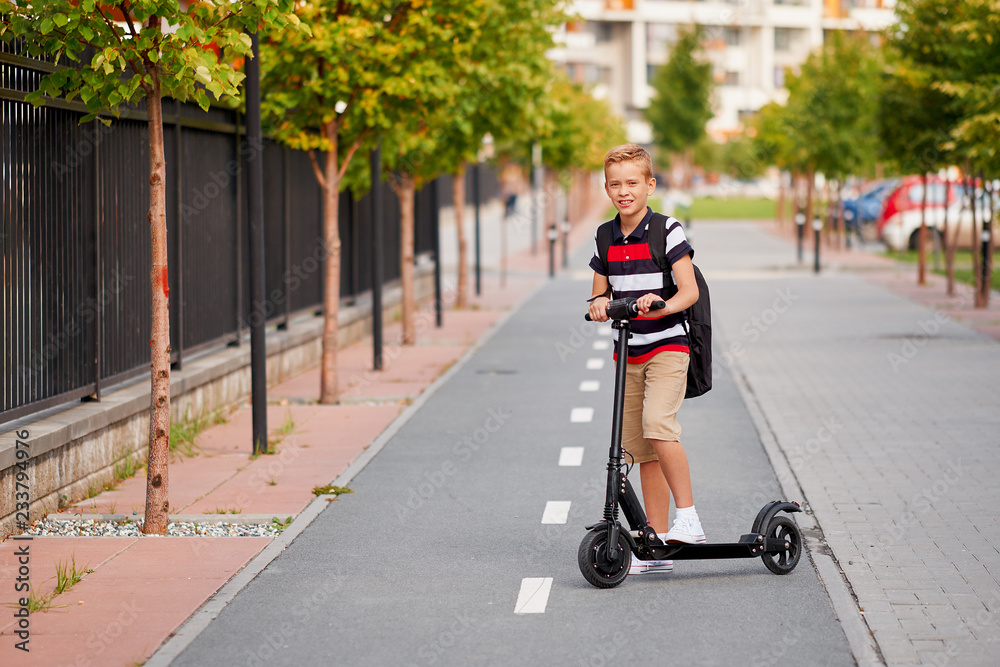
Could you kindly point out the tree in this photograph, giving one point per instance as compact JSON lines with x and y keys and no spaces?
{"x":504,"y":84}
{"x":834,"y":103}
{"x":681,"y":105}
{"x":332,"y":92}
{"x":120,"y":54}
{"x":954,"y":47}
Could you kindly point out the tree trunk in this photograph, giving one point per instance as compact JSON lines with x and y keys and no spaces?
{"x":810,"y":184}
{"x":458,"y":201}
{"x":922,"y":237}
{"x":157,"y":500}
{"x":405,"y":191}
{"x":550,"y":193}
{"x":781,"y":201}
{"x":950,"y":245}
{"x":331,"y":284}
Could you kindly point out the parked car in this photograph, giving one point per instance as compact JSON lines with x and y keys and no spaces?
{"x":861,"y":213}
{"x":908,"y":195}
{"x":901,"y":230}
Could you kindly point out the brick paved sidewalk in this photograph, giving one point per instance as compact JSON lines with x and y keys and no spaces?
{"x":886,"y":411}
{"x":141,"y":590}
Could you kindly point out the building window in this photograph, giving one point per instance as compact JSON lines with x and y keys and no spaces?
{"x":779,"y":77}
{"x":602,"y":31}
{"x":785,"y":38}
{"x":660,"y":37}
{"x":732,"y":36}
{"x":651,"y":73}
{"x":732,"y":79}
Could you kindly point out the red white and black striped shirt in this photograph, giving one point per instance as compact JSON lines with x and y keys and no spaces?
{"x":632,"y":272}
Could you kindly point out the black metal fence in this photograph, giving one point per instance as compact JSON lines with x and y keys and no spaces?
{"x":75,"y":249}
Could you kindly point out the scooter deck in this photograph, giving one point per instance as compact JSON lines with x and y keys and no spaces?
{"x":718,"y":550}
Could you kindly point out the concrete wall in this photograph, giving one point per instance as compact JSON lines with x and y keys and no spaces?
{"x":78,"y":448}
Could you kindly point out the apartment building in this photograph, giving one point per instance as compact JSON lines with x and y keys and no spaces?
{"x":616,"y":45}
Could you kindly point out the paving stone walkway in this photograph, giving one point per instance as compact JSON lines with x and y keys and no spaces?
{"x":887,"y":412}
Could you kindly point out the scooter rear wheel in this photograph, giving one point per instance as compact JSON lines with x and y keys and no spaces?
{"x":783,"y":528}
{"x":595,"y":566}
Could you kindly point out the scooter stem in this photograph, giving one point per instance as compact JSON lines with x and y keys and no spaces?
{"x":615,"y":455}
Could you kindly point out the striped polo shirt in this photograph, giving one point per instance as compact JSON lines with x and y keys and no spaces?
{"x":632,"y":272}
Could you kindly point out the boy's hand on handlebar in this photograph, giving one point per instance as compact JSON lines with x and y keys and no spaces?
{"x":645,"y":303}
{"x":598,"y":310}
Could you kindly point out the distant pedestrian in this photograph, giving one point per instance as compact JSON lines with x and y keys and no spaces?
{"x":658,"y":353}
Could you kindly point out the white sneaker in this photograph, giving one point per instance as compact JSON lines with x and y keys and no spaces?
{"x":685,"y":531}
{"x":650,"y":566}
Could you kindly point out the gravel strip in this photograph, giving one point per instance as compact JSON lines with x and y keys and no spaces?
{"x":133,"y":528}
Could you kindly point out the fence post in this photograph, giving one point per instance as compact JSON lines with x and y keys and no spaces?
{"x":286,"y":176}
{"x":239,"y":236}
{"x":99,"y":272}
{"x":378,"y":249}
{"x":258,"y":353}
{"x":178,"y":338}
{"x":436,"y":242}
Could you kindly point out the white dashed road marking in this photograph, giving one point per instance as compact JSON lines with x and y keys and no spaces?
{"x":595,"y":364}
{"x":534,"y":595}
{"x":556,"y":511}
{"x":590,"y":385}
{"x":571,"y":456}
{"x":581,"y":415}
{"x":602,"y":344}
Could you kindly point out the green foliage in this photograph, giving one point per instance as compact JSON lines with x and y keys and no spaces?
{"x":832,"y":110}
{"x":113,"y":64}
{"x":949,"y":53}
{"x":331,"y":489}
{"x":184,"y":432}
{"x":681,"y":105}
{"x":739,"y":158}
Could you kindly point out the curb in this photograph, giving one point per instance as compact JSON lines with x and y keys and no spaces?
{"x":860,"y":638}
{"x":189,"y":630}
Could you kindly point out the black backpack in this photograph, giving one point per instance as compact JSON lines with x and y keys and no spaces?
{"x":697,"y":320}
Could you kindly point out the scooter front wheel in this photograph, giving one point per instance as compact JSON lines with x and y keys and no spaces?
{"x":594,"y":564}
{"x":783,"y":528}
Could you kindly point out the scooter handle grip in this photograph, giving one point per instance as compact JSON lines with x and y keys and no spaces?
{"x":656,"y":305}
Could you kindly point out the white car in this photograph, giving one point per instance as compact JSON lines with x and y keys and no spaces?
{"x":902,"y":230}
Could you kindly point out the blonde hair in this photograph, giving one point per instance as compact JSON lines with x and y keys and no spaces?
{"x":630,"y":153}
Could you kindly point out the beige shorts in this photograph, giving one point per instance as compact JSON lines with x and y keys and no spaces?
{"x":654,"y":391}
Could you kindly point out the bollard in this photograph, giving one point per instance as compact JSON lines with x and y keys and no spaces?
{"x":817,"y":228}
{"x":800,"y":224}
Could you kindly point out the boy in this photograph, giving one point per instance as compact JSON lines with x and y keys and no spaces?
{"x":658,"y":352}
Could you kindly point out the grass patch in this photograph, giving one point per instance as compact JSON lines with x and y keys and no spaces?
{"x":736,"y":208}
{"x":963,"y":265}
{"x":281,"y":523}
{"x":184,"y":432}
{"x":288,"y":425}
{"x":126,"y":467}
{"x":68,"y":576}
{"x":331,"y":489}
{"x":225,"y":510}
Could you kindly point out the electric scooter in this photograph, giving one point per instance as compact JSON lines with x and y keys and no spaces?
{"x":606,"y":551}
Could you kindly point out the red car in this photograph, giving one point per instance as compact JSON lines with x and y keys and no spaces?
{"x":909,"y":194}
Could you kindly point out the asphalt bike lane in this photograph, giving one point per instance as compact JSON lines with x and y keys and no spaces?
{"x":458,"y":545}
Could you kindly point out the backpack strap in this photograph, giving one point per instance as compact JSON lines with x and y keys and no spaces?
{"x":605,"y":235}
{"x":656,"y":237}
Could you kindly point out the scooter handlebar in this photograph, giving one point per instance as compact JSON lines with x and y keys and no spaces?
{"x":626,"y":309}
